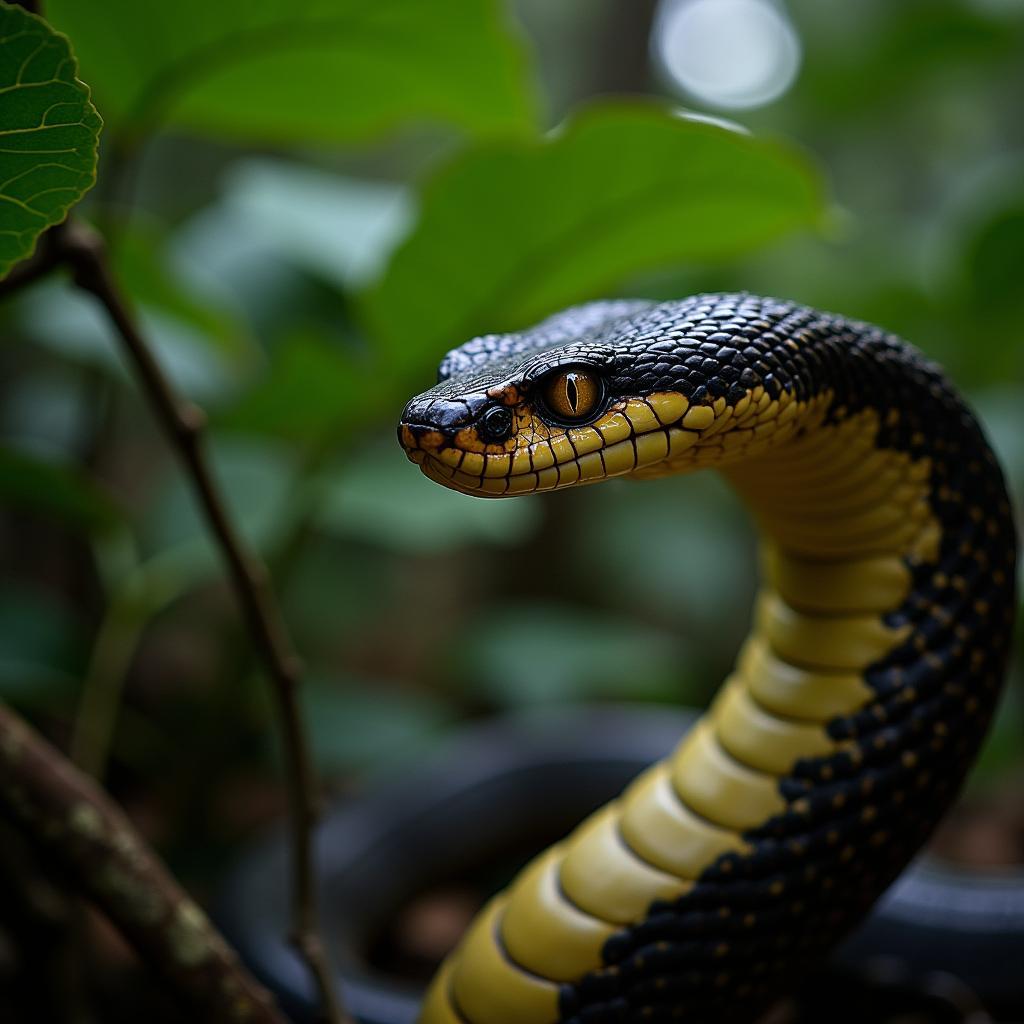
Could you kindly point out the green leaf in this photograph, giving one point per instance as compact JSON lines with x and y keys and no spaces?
{"x":513,"y":231}
{"x":317,"y":70}
{"x":49,"y":132}
{"x":61,"y":491}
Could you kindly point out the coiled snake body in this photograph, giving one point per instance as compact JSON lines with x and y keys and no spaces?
{"x":857,"y":702}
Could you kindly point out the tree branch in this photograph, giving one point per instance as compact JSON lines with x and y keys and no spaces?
{"x":76,"y":826}
{"x":83,"y":251}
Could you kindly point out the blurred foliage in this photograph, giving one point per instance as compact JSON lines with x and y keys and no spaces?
{"x":62,"y":492}
{"x":42,"y":654}
{"x":369,"y":498}
{"x":321,"y":70}
{"x":339,"y":193}
{"x":574,"y":656}
{"x":512,"y":232}
{"x":362,"y":725}
{"x":48,"y":135}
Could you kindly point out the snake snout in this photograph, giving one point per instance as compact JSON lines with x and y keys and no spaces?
{"x":429,"y":422}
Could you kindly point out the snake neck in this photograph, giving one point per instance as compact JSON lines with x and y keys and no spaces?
{"x":879,"y":643}
{"x":888,"y":565}
{"x":858,"y":702}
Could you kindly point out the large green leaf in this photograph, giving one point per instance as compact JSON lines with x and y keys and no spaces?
{"x":313,"y":70}
{"x":48,"y":133}
{"x":513,"y":231}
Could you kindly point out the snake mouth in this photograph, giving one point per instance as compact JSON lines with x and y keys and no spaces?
{"x":633,"y":437}
{"x":553,"y":463}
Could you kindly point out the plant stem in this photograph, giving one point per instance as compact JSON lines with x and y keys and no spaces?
{"x":78,"y":247}
{"x":82,"y":250}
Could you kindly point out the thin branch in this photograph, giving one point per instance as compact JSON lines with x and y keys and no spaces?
{"x":77,"y":828}
{"x":82,"y":250}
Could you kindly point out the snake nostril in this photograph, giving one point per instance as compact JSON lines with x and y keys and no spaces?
{"x":496,"y":424}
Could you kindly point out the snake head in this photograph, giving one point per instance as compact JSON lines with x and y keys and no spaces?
{"x":574,"y":401}
{"x":622,"y":388}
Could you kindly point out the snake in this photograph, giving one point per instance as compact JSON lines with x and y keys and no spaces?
{"x":880,"y":639}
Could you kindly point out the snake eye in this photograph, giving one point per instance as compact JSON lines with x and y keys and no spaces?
{"x":496,"y":424}
{"x":572,"y":395}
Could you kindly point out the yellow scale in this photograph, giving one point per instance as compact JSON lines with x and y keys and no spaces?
{"x":839,"y":518}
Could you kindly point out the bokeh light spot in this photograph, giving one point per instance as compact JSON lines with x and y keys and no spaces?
{"x":734,"y":54}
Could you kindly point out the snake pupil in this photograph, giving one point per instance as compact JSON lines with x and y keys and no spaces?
{"x":572,"y":393}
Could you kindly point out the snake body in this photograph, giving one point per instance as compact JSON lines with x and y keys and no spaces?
{"x":858,"y":701}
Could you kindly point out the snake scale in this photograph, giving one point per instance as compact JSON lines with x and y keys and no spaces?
{"x":880,"y":639}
